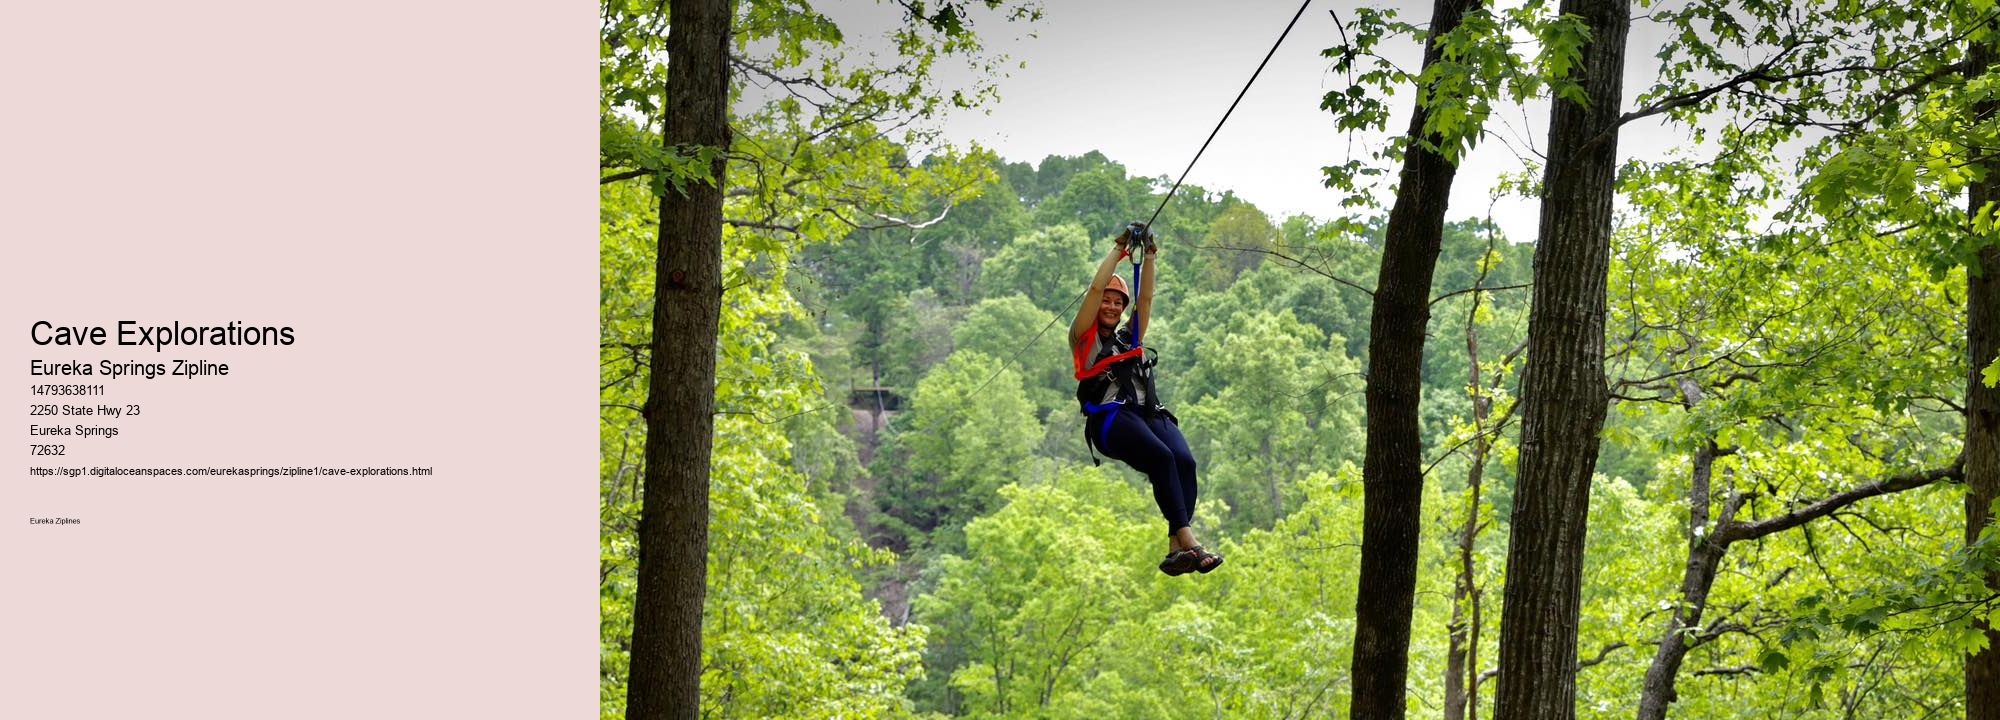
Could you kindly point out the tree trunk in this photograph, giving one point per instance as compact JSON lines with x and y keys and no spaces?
{"x":1271,"y":477}
{"x":1705,"y":551}
{"x":1392,"y":471}
{"x":1696,"y":581}
{"x":1563,"y":395}
{"x":665,"y":680}
{"x":1709,"y":544}
{"x":1982,"y":420}
{"x":1461,"y":677}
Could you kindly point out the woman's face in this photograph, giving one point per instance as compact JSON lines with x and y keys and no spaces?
{"x":1111,"y":308}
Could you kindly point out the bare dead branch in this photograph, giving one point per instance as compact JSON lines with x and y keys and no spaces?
{"x":1441,"y":298}
{"x":1732,"y":532}
{"x":1301,"y":264}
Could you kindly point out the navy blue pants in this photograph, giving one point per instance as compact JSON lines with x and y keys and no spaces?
{"x":1153,"y":445}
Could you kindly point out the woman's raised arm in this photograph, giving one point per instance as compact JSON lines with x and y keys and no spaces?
{"x":1086,"y":314}
{"x":1142,"y":306}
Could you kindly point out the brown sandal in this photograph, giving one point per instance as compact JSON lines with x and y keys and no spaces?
{"x":1204,"y":561}
{"x":1180,"y":562}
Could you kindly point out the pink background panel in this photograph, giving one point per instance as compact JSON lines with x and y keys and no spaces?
{"x":409,"y":186}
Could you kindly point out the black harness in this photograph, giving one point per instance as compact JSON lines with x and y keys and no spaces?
{"x":1127,"y":383}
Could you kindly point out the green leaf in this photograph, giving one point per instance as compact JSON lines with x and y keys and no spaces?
{"x":1773,"y":660}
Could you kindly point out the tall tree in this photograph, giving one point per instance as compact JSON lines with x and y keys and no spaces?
{"x":1894,"y":140}
{"x":680,"y":405}
{"x":1563,"y":394}
{"x":1461,"y":675}
{"x":1710,"y":541}
{"x":786,"y":628}
{"x":1392,"y":471}
{"x":815,"y":160}
{"x":1904,"y":127}
{"x":1982,"y":333}
{"x":1763,"y":390}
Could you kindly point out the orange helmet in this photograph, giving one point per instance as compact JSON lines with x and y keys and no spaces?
{"x":1118,"y":284}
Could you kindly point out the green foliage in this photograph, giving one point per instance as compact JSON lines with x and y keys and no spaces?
{"x":1100,"y":200}
{"x":1814,"y":302}
{"x":1886,"y":124}
{"x":1329,"y":308}
{"x":809,"y":645}
{"x":1823,"y":353}
{"x":1468,"y":69}
{"x":1039,"y":182}
{"x":960,"y":441}
{"x":954,"y":249}
{"x":1056,"y":611}
{"x":786,"y":628}
{"x":1632,"y":553}
{"x":1237,"y":241}
{"x":1297,"y":411}
{"x":873,"y":276}
{"x":1041,"y":580}
{"x":919,"y":336}
{"x":999,"y":327}
{"x":1943,"y":602}
{"x":1844,"y":353}
{"x":1473,"y":254}
{"x":1050,"y":266}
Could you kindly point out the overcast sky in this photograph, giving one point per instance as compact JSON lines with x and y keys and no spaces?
{"x":1145,"y":82}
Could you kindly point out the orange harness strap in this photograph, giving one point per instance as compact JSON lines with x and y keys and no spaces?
{"x":1084,"y":373}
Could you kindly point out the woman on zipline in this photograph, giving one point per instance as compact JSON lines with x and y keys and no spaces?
{"x":1126,"y":420}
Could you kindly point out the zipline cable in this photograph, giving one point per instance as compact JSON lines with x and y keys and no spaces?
{"x":1232,"y":108}
{"x":1204,"y":148}
{"x":1170,"y":191}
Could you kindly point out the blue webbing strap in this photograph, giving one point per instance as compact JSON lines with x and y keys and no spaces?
{"x":1135,"y":299}
{"x":1093,"y":409}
